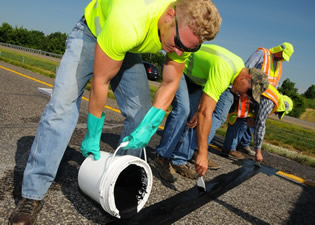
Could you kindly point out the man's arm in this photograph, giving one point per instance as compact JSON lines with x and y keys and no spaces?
{"x":172,"y":72}
{"x":206,"y":108}
{"x":104,"y":70}
{"x":141,"y":136}
{"x":265,"y":108}
{"x":255,"y":60}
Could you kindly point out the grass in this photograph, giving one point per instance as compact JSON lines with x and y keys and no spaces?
{"x":293,"y":155}
{"x":309,"y":115}
{"x":287,"y":140}
{"x":44,"y":66}
{"x":290,"y":136}
{"x":281,"y":138}
{"x":33,"y":63}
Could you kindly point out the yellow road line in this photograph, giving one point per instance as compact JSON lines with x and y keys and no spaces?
{"x":280,"y":173}
{"x":295,"y":178}
{"x":215,"y":147}
{"x":50,"y":85}
{"x":106,"y":106}
{"x":23,"y":75}
{"x":290,"y":176}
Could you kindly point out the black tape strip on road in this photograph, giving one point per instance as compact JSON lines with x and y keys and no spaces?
{"x":180,"y":205}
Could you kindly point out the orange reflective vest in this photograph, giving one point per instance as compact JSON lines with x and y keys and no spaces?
{"x":244,"y":111}
{"x":241,"y":112}
{"x":243,"y":107}
{"x":273,"y":94}
{"x":274,"y":72}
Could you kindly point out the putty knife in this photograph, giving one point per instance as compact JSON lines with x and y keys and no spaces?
{"x":201,"y":184}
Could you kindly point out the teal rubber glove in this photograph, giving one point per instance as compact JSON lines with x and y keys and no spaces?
{"x":140,"y":137}
{"x":91,"y":142}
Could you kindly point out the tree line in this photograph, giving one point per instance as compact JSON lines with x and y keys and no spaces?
{"x":55,"y":43}
{"x":300,"y":101}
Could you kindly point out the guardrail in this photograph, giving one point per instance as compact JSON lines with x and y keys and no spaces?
{"x":31,"y":50}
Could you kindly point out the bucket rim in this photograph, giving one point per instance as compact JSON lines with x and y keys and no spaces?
{"x":109,"y":179}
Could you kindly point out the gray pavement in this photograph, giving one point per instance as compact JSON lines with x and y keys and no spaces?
{"x":295,"y":121}
{"x":238,"y":193}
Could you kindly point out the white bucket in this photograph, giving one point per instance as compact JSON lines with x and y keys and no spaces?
{"x":121,"y":184}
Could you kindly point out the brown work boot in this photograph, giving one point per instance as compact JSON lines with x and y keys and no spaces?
{"x":165,"y":169}
{"x":26,"y":212}
{"x":211,"y":164}
{"x":186,"y":171}
{"x":247,"y":150}
{"x":236,"y":155}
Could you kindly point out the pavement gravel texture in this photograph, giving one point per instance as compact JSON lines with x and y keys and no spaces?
{"x":237,"y":193}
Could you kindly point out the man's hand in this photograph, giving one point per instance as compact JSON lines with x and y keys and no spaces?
{"x":193,"y":122}
{"x":140,"y":137}
{"x":201,"y":164}
{"x":258,"y":156}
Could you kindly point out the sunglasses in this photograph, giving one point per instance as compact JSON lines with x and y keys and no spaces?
{"x":178,"y":42}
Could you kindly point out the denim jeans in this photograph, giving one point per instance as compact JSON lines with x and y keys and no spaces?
{"x":221,"y":112}
{"x":61,"y":114}
{"x":234,"y":134}
{"x":177,"y":137}
{"x":178,"y":141}
{"x":247,"y":137}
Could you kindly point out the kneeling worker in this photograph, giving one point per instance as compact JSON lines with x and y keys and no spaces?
{"x":271,"y":101}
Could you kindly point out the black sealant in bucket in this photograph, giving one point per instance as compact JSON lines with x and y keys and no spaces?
{"x":130,"y":189}
{"x":121,"y":184}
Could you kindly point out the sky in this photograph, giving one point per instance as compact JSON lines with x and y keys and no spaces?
{"x":246,"y":25}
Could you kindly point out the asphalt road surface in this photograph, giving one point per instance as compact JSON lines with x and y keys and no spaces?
{"x":280,"y":192}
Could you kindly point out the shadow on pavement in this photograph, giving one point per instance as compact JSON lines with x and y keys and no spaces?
{"x":66,"y":181}
{"x":172,"y":209}
{"x":167,"y":211}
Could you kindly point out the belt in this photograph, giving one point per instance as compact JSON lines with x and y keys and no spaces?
{"x":84,"y":20}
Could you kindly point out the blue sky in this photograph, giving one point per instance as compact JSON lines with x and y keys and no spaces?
{"x":247,"y":25}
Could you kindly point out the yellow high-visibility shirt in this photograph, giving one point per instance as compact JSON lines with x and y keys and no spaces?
{"x":214,"y":68}
{"x":123,"y":26}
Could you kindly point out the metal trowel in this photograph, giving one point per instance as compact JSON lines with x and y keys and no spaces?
{"x":258,"y":164}
{"x":201,"y":184}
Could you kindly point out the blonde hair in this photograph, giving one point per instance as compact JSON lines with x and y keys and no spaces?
{"x":202,"y":16}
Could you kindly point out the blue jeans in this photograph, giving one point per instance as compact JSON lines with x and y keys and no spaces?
{"x":219,"y":116}
{"x":234,"y":135}
{"x":247,"y":137}
{"x":221,"y":112}
{"x":178,"y":141}
{"x":177,"y":137}
{"x":61,"y":114}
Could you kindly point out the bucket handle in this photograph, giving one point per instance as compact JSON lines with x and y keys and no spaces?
{"x":124,"y":144}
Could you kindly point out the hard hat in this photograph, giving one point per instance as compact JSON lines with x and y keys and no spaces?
{"x":285,"y":106}
{"x":286,"y":48}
